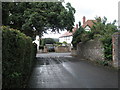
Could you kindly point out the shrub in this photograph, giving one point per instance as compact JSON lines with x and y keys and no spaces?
{"x":58,"y":44}
{"x":104,"y":32}
{"x":18,"y":54}
{"x":77,"y":36}
{"x":100,"y":30}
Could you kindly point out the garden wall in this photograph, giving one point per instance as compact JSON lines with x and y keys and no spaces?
{"x":62,"y":49}
{"x":74,"y":52}
{"x":91,"y":50}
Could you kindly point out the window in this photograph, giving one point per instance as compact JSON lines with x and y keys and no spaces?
{"x":87,"y":28}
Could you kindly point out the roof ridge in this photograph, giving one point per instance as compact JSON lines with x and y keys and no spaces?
{"x":91,"y":20}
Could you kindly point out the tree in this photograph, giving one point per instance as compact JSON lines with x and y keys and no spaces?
{"x":34,"y":18}
{"x":77,"y":36}
{"x":49,"y":41}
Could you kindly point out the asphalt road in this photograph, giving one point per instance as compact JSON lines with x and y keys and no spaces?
{"x":60,"y":70}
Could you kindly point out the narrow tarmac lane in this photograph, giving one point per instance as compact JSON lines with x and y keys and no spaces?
{"x":60,"y":70}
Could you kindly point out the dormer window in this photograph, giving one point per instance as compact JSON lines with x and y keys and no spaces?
{"x":87,"y":28}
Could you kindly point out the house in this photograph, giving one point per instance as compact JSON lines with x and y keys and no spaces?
{"x":67,"y":37}
{"x":87,"y":25}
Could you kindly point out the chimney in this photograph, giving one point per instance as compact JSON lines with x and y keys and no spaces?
{"x":84,"y":19}
{"x":76,"y":26}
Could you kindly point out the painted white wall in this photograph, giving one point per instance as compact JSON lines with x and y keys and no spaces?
{"x":66,"y":39}
{"x":61,"y":39}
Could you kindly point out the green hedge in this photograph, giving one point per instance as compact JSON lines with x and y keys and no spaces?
{"x":18,"y":54}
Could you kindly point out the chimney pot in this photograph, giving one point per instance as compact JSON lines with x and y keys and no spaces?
{"x":84,"y":19}
{"x":77,"y":26}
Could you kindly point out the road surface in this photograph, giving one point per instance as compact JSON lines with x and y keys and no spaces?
{"x":60,"y":70}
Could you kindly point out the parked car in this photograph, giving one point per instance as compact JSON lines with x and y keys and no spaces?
{"x":51,"y":49}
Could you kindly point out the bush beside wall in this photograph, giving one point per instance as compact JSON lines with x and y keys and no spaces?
{"x":18,"y":54}
{"x":102,"y":31}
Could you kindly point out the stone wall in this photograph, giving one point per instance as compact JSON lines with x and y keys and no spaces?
{"x":116,"y":49}
{"x":91,"y":50}
{"x":62,"y":49}
{"x":74,"y":52}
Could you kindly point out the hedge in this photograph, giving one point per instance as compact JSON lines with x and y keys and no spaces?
{"x":18,"y":54}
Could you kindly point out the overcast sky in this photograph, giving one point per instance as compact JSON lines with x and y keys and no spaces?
{"x":92,"y":8}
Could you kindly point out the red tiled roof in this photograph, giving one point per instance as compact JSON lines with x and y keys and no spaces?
{"x":68,"y":33}
{"x":88,"y":23}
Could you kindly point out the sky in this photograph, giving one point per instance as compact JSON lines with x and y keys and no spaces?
{"x":90,"y":9}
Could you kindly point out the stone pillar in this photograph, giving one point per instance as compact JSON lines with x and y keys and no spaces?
{"x":116,"y":49}
{"x":45,"y":49}
{"x":119,"y":14}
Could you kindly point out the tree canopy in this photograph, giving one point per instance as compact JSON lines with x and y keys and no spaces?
{"x":49,"y":41}
{"x":34,"y":18}
{"x":77,"y":36}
